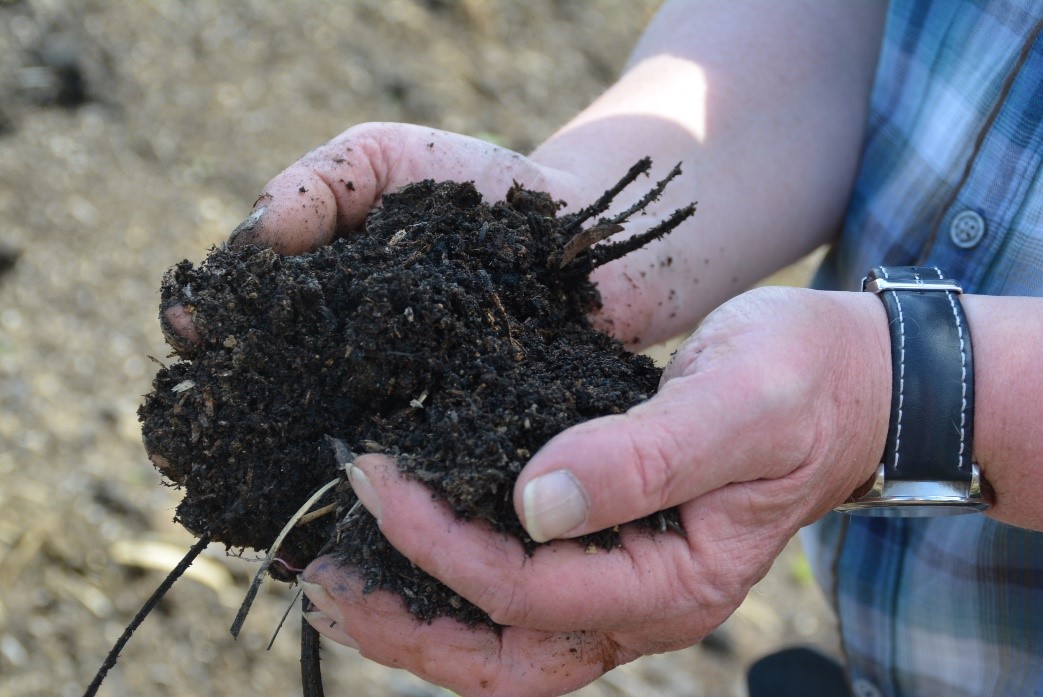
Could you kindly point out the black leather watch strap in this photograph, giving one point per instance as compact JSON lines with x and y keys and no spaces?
{"x":932,"y":394}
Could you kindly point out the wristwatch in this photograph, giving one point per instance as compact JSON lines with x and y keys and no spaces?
{"x":927,"y":468}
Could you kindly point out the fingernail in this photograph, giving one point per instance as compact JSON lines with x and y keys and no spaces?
{"x":362,"y":487}
{"x":319,"y":597}
{"x":327,"y":626}
{"x":179,"y":330}
{"x":554,"y":504}
{"x":246,"y":228}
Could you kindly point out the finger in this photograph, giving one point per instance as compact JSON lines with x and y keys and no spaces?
{"x":330,"y":622}
{"x":330,"y":190}
{"x":178,"y":328}
{"x":549,"y":590}
{"x":470,"y":661}
{"x":296,"y":212}
{"x":700,"y":432}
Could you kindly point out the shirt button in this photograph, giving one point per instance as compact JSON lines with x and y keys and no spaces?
{"x":966,"y":229}
{"x":863,"y":688}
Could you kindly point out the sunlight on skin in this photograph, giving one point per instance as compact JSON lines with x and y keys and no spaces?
{"x":643,"y":98}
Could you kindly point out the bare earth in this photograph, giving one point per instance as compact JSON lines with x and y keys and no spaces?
{"x":135,"y":134}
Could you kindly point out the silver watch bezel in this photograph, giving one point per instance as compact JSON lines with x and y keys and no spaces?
{"x":902,"y":498}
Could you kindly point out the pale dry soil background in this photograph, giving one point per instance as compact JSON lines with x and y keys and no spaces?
{"x":136,"y":133}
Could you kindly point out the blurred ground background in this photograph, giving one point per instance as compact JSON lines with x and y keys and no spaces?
{"x":136,"y":133}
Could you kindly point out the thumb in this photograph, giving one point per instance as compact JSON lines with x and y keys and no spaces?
{"x":619,"y":468}
{"x":329,"y":191}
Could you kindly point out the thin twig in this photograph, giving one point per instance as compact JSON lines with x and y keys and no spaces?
{"x":507,"y":326}
{"x":653,"y":194}
{"x":149,"y":605}
{"x":318,"y":513}
{"x":611,"y":252}
{"x":601,"y":205}
{"x":286,"y":614}
{"x":251,"y":593}
{"x":585,"y":239}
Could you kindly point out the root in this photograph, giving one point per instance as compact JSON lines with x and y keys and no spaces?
{"x":282,"y":621}
{"x":244,"y":610}
{"x":602,"y":204}
{"x":579,"y":256}
{"x":653,"y":195}
{"x":519,"y":353}
{"x":311,"y":670}
{"x":324,"y":511}
{"x":149,"y":605}
{"x":610,"y":252}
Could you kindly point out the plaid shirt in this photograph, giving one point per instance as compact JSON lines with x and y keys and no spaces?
{"x":951,"y":177}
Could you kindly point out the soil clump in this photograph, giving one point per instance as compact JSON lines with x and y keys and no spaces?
{"x":450,"y":334}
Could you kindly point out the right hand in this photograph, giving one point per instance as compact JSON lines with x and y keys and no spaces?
{"x":770,"y":415}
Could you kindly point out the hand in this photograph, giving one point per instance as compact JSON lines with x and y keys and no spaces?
{"x":768,"y":417}
{"x":329,"y":191}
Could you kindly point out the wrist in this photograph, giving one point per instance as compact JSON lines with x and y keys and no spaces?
{"x":928,"y":467}
{"x":1008,"y":444}
{"x":870,"y":360}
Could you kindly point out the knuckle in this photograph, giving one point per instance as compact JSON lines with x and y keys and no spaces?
{"x":655,"y":465}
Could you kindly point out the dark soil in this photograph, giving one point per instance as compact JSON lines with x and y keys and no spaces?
{"x":451,"y":334}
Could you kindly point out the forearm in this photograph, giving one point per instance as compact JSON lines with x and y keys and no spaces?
{"x":1007,"y":333}
{"x":764,"y":105}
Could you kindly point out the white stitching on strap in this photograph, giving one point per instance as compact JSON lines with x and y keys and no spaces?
{"x":901,"y":371}
{"x":963,"y":373}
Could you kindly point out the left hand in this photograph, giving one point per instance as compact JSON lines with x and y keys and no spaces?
{"x":770,"y":415}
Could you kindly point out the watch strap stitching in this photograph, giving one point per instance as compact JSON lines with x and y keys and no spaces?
{"x":963,"y":371}
{"x":901,"y":372}
{"x":963,"y":379}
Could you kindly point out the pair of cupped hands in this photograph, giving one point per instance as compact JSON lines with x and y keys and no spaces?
{"x":767,"y":417}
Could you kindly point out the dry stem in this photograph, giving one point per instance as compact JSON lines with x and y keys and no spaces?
{"x":579,"y":255}
{"x":240,"y":618}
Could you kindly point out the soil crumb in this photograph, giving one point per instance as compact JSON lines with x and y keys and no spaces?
{"x":450,"y":334}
